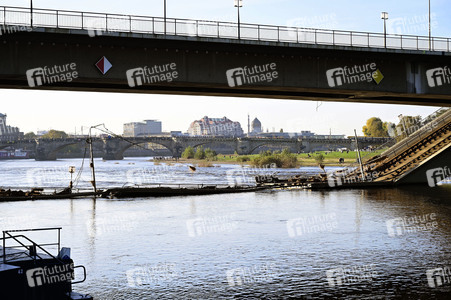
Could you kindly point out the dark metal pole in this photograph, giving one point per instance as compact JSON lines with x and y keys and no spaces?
{"x":385,"y":33}
{"x":239,"y":27}
{"x":430,"y":46}
{"x":164,"y":17}
{"x":31,"y":12}
{"x":91,"y":163}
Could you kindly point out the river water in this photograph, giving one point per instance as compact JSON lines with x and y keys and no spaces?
{"x":348,"y":244}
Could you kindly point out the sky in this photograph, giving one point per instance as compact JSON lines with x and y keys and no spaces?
{"x":33,"y":110}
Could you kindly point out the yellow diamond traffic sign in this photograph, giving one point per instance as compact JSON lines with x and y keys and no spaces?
{"x":377,"y":76}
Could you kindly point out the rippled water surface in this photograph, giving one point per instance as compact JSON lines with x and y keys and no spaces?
{"x":345,"y":244}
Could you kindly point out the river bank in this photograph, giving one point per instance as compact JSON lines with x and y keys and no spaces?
{"x":331,"y":159}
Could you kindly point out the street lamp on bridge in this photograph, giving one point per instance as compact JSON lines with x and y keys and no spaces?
{"x":430,"y":38}
{"x":31,"y":13}
{"x":164,"y":17}
{"x":238,"y":4}
{"x":384,"y":16}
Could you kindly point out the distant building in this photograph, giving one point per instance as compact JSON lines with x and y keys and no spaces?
{"x":215,"y":127}
{"x":8,"y":133}
{"x":148,"y":127}
{"x":256,"y":126}
{"x":302,"y":134}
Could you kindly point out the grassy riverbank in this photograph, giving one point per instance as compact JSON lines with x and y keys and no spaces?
{"x":303,"y":159}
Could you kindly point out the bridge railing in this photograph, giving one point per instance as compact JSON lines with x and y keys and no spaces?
{"x":96,"y":23}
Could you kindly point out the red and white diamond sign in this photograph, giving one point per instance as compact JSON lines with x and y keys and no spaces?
{"x":103,"y":65}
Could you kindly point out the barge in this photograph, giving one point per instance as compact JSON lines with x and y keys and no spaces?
{"x":28,"y":271}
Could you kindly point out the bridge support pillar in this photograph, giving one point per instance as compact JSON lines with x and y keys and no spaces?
{"x":42,"y":154}
{"x":242,"y":147}
{"x":112,"y":149}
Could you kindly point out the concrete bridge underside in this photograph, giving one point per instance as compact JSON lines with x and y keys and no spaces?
{"x":202,"y":64}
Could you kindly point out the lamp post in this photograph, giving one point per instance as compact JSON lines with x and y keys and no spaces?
{"x":71,"y":171}
{"x":430,"y":38}
{"x":238,"y":4}
{"x":164,"y":17}
{"x":31,"y":13}
{"x":384,"y":16}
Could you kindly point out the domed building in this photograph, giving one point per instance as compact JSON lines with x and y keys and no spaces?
{"x":256,"y":126}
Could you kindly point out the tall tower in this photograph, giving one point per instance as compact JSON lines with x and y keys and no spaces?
{"x":248,"y":124}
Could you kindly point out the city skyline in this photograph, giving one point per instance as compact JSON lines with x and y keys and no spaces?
{"x":320,"y":118}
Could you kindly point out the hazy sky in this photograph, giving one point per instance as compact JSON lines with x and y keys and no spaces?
{"x":32,"y":109}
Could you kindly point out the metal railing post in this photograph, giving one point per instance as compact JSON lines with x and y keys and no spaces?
{"x":82,"y":26}
{"x":418,"y":46}
{"x":315,"y":38}
{"x":106,"y":22}
{"x":4,"y":15}
{"x":401,"y":42}
{"x":59,"y":240}
{"x":175,"y":26}
{"x":278,"y":33}
{"x":130,"y":22}
{"x":258,"y":32}
{"x":197,"y":27}
{"x":57,"y":19}
{"x":368,"y":40}
{"x":333,"y":37}
{"x":153,"y":25}
{"x":4,"y":248}
{"x":351,"y":38}
{"x":297,"y":35}
{"x":218,"y":28}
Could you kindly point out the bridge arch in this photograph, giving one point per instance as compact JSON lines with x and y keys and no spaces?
{"x":251,"y":151}
{"x":128,"y":145}
{"x":43,"y":154}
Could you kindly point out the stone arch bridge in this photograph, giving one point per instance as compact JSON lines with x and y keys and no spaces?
{"x":114,"y":148}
